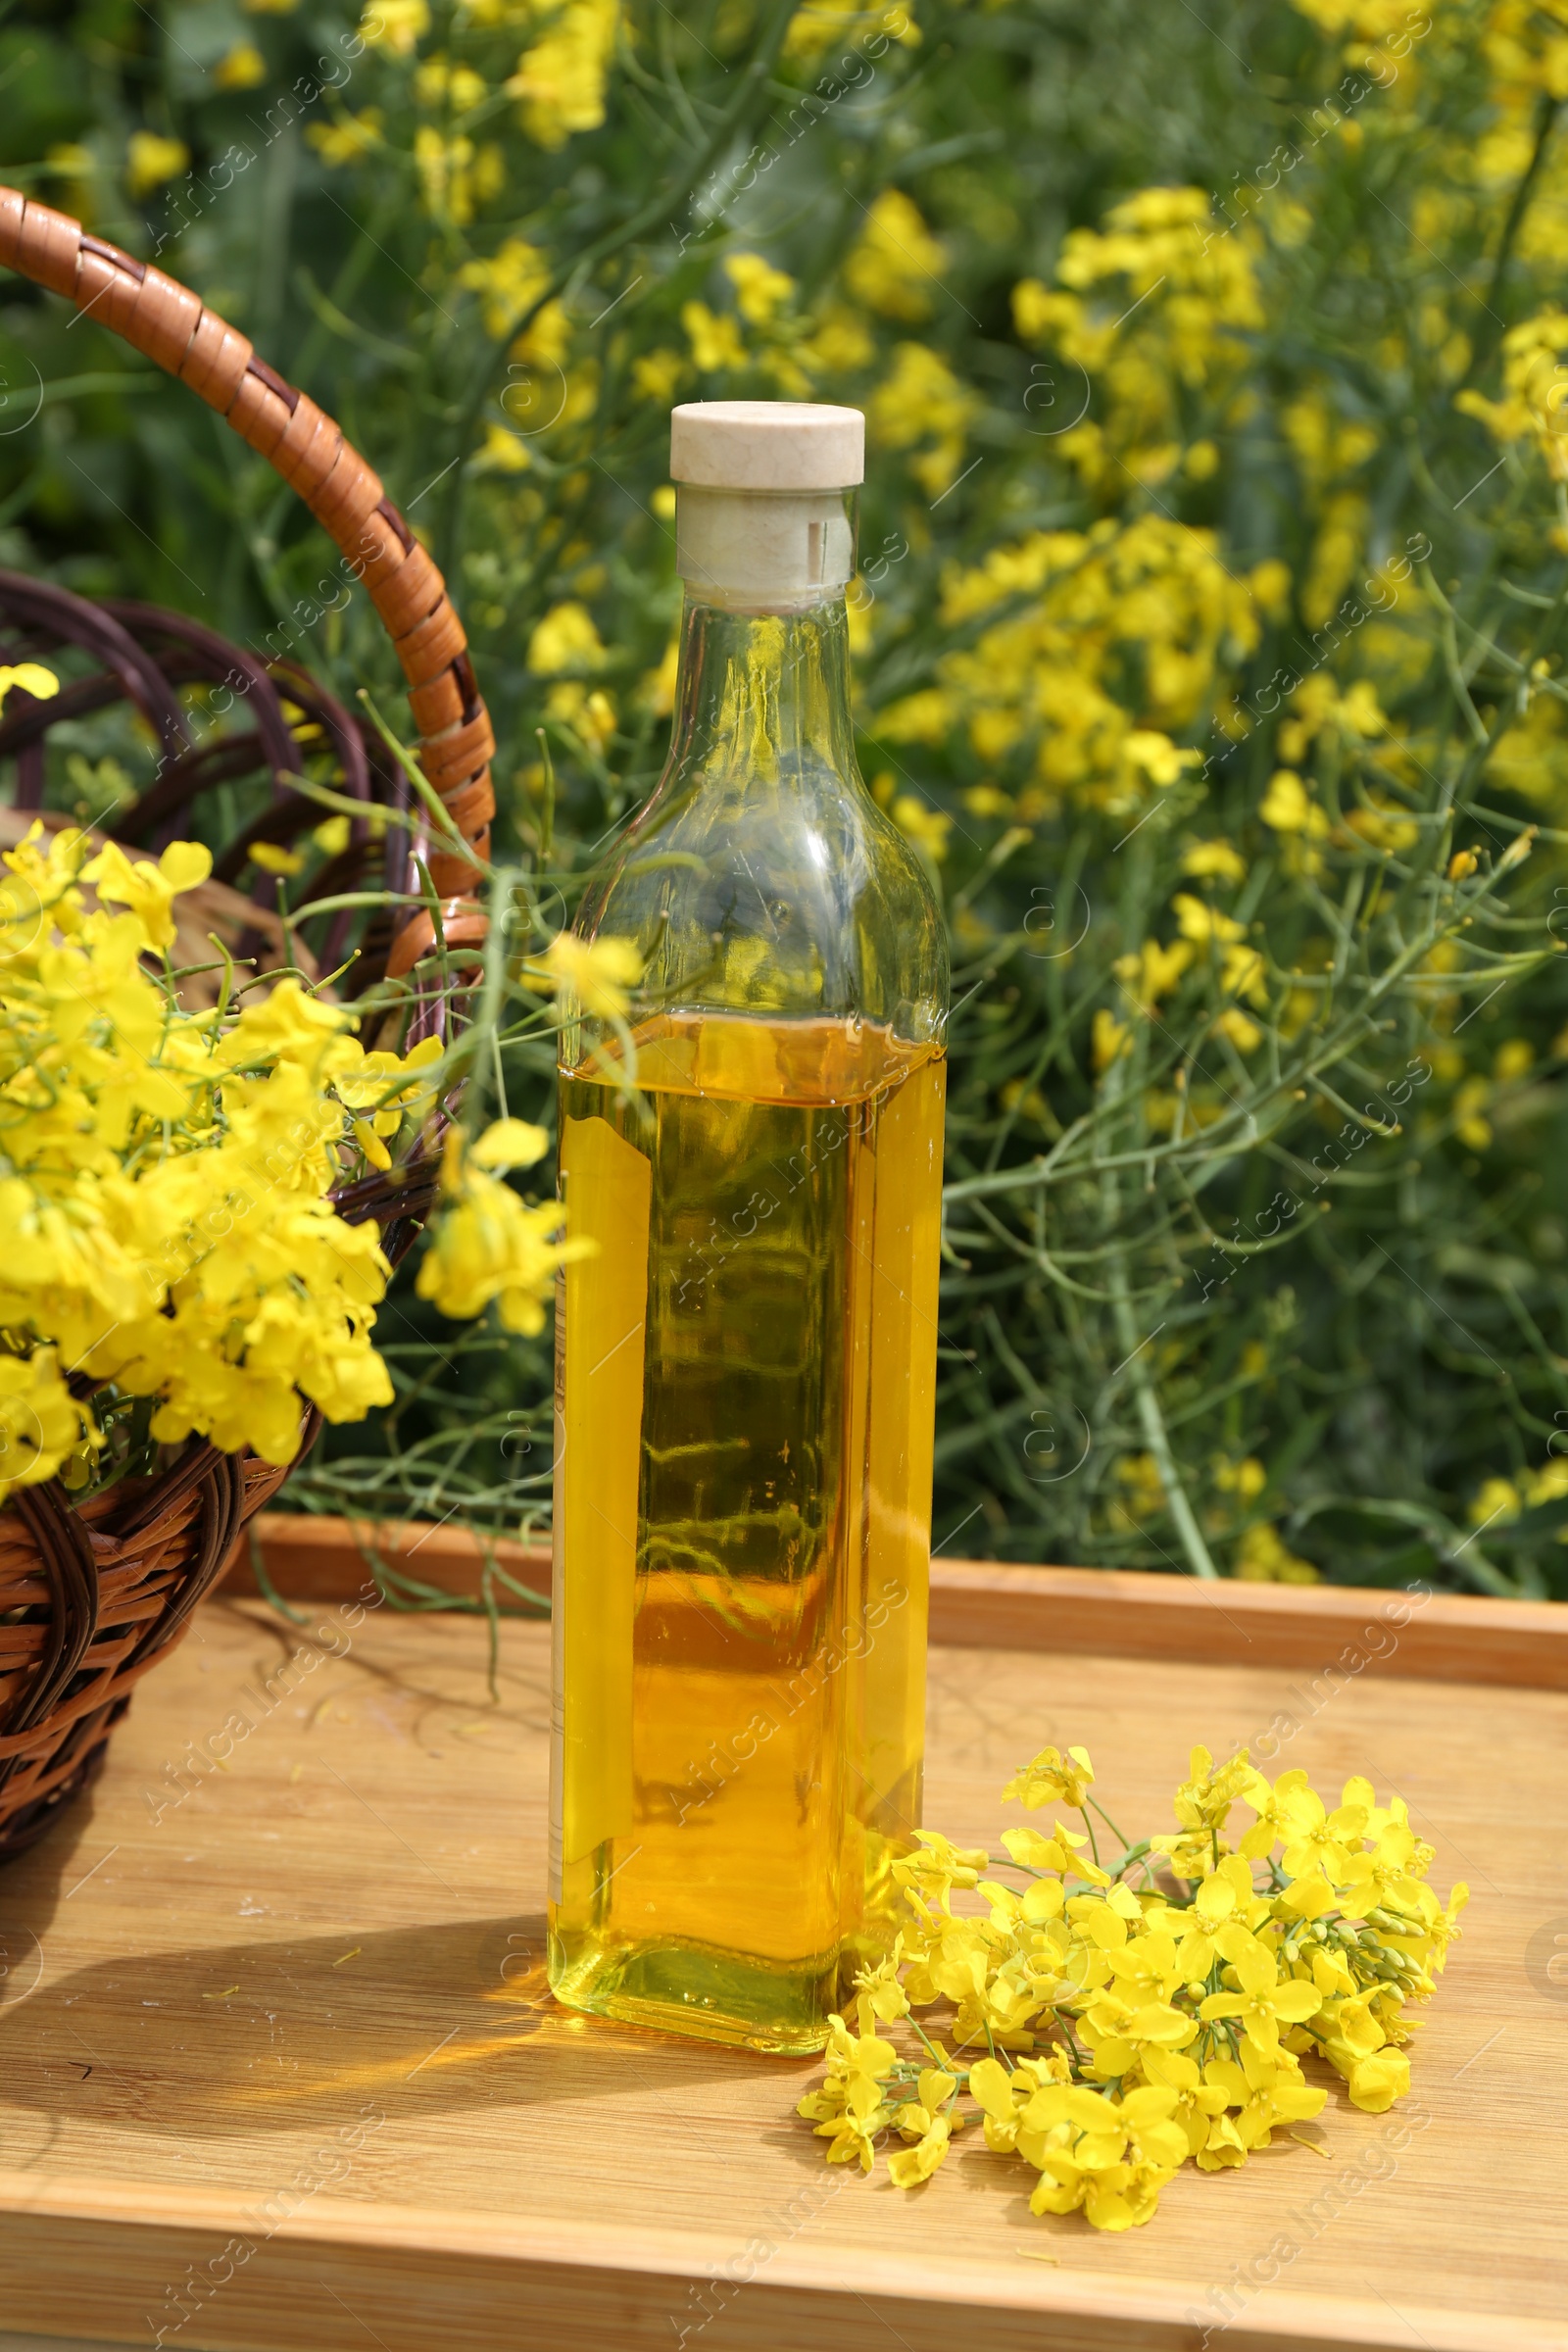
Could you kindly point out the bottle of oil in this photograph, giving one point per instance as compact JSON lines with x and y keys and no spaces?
{"x":746,"y":1363}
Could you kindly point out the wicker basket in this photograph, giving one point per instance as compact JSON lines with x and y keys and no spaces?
{"x":92,"y":1597}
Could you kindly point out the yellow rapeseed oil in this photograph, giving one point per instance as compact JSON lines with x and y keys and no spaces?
{"x":746,"y":1379}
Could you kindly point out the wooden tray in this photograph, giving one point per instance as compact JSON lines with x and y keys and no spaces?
{"x":278,"y":2070}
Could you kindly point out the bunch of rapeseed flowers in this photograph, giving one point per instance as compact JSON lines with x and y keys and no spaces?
{"x":174,"y":1261}
{"x":165,"y":1177}
{"x":1135,"y":2015}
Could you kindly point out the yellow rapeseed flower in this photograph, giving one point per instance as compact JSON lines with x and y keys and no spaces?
{"x":1108,"y":1038}
{"x":760,"y":290}
{"x":487,"y":1246}
{"x":441,"y":84}
{"x":1532,"y":407}
{"x":891,"y":266}
{"x":927,"y":827}
{"x":510,"y":1144}
{"x":1052,"y":1778}
{"x":396,"y":26}
{"x":1202,"y":924}
{"x":149,"y":890}
{"x":714,"y":338}
{"x":559,"y":81}
{"x":274,"y":858}
{"x":1243,"y":1032}
{"x":241,"y":68}
{"x":564,"y":640}
{"x":1263,"y":1558}
{"x":599,"y":972}
{"x":504,"y":451}
{"x":509,"y":283}
{"x":923,"y":401}
{"x":818,"y":23}
{"x":31,"y":678}
{"x":656,"y":375}
{"x":348,"y":138}
{"x":40,"y":1421}
{"x":1287,"y":807}
{"x":1153,"y":971}
{"x":151,"y":160}
{"x":1214,"y":857}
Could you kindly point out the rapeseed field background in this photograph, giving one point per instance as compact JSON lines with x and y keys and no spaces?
{"x":1210,"y":631}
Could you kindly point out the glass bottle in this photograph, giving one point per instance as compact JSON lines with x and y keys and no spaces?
{"x":746,"y":1363}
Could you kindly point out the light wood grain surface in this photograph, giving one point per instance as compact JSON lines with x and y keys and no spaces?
{"x":274,"y":2037}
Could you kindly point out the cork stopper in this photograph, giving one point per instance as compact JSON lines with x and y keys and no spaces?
{"x":767,"y":445}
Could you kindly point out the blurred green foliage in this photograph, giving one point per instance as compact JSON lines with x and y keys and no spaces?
{"x":1210,"y":633}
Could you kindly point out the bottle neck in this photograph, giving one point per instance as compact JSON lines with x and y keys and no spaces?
{"x":762,"y":696}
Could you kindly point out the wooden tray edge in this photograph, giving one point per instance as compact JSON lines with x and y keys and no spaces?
{"x":437,"y":2246}
{"x":1329,"y":1632}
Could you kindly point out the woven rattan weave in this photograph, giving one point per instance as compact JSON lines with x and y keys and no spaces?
{"x":91,"y":1598}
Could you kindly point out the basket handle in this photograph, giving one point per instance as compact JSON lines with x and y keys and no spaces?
{"x":164,"y":320}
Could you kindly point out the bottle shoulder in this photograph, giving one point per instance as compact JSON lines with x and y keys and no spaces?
{"x":796,"y":893}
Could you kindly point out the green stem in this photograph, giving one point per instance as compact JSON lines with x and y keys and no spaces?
{"x":931,"y":2046}
{"x":1546,"y":122}
{"x":1138,"y":1853}
{"x":437,"y":808}
{"x":1110,"y":1824}
{"x":1152,"y":1421}
{"x":487,"y":1012}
